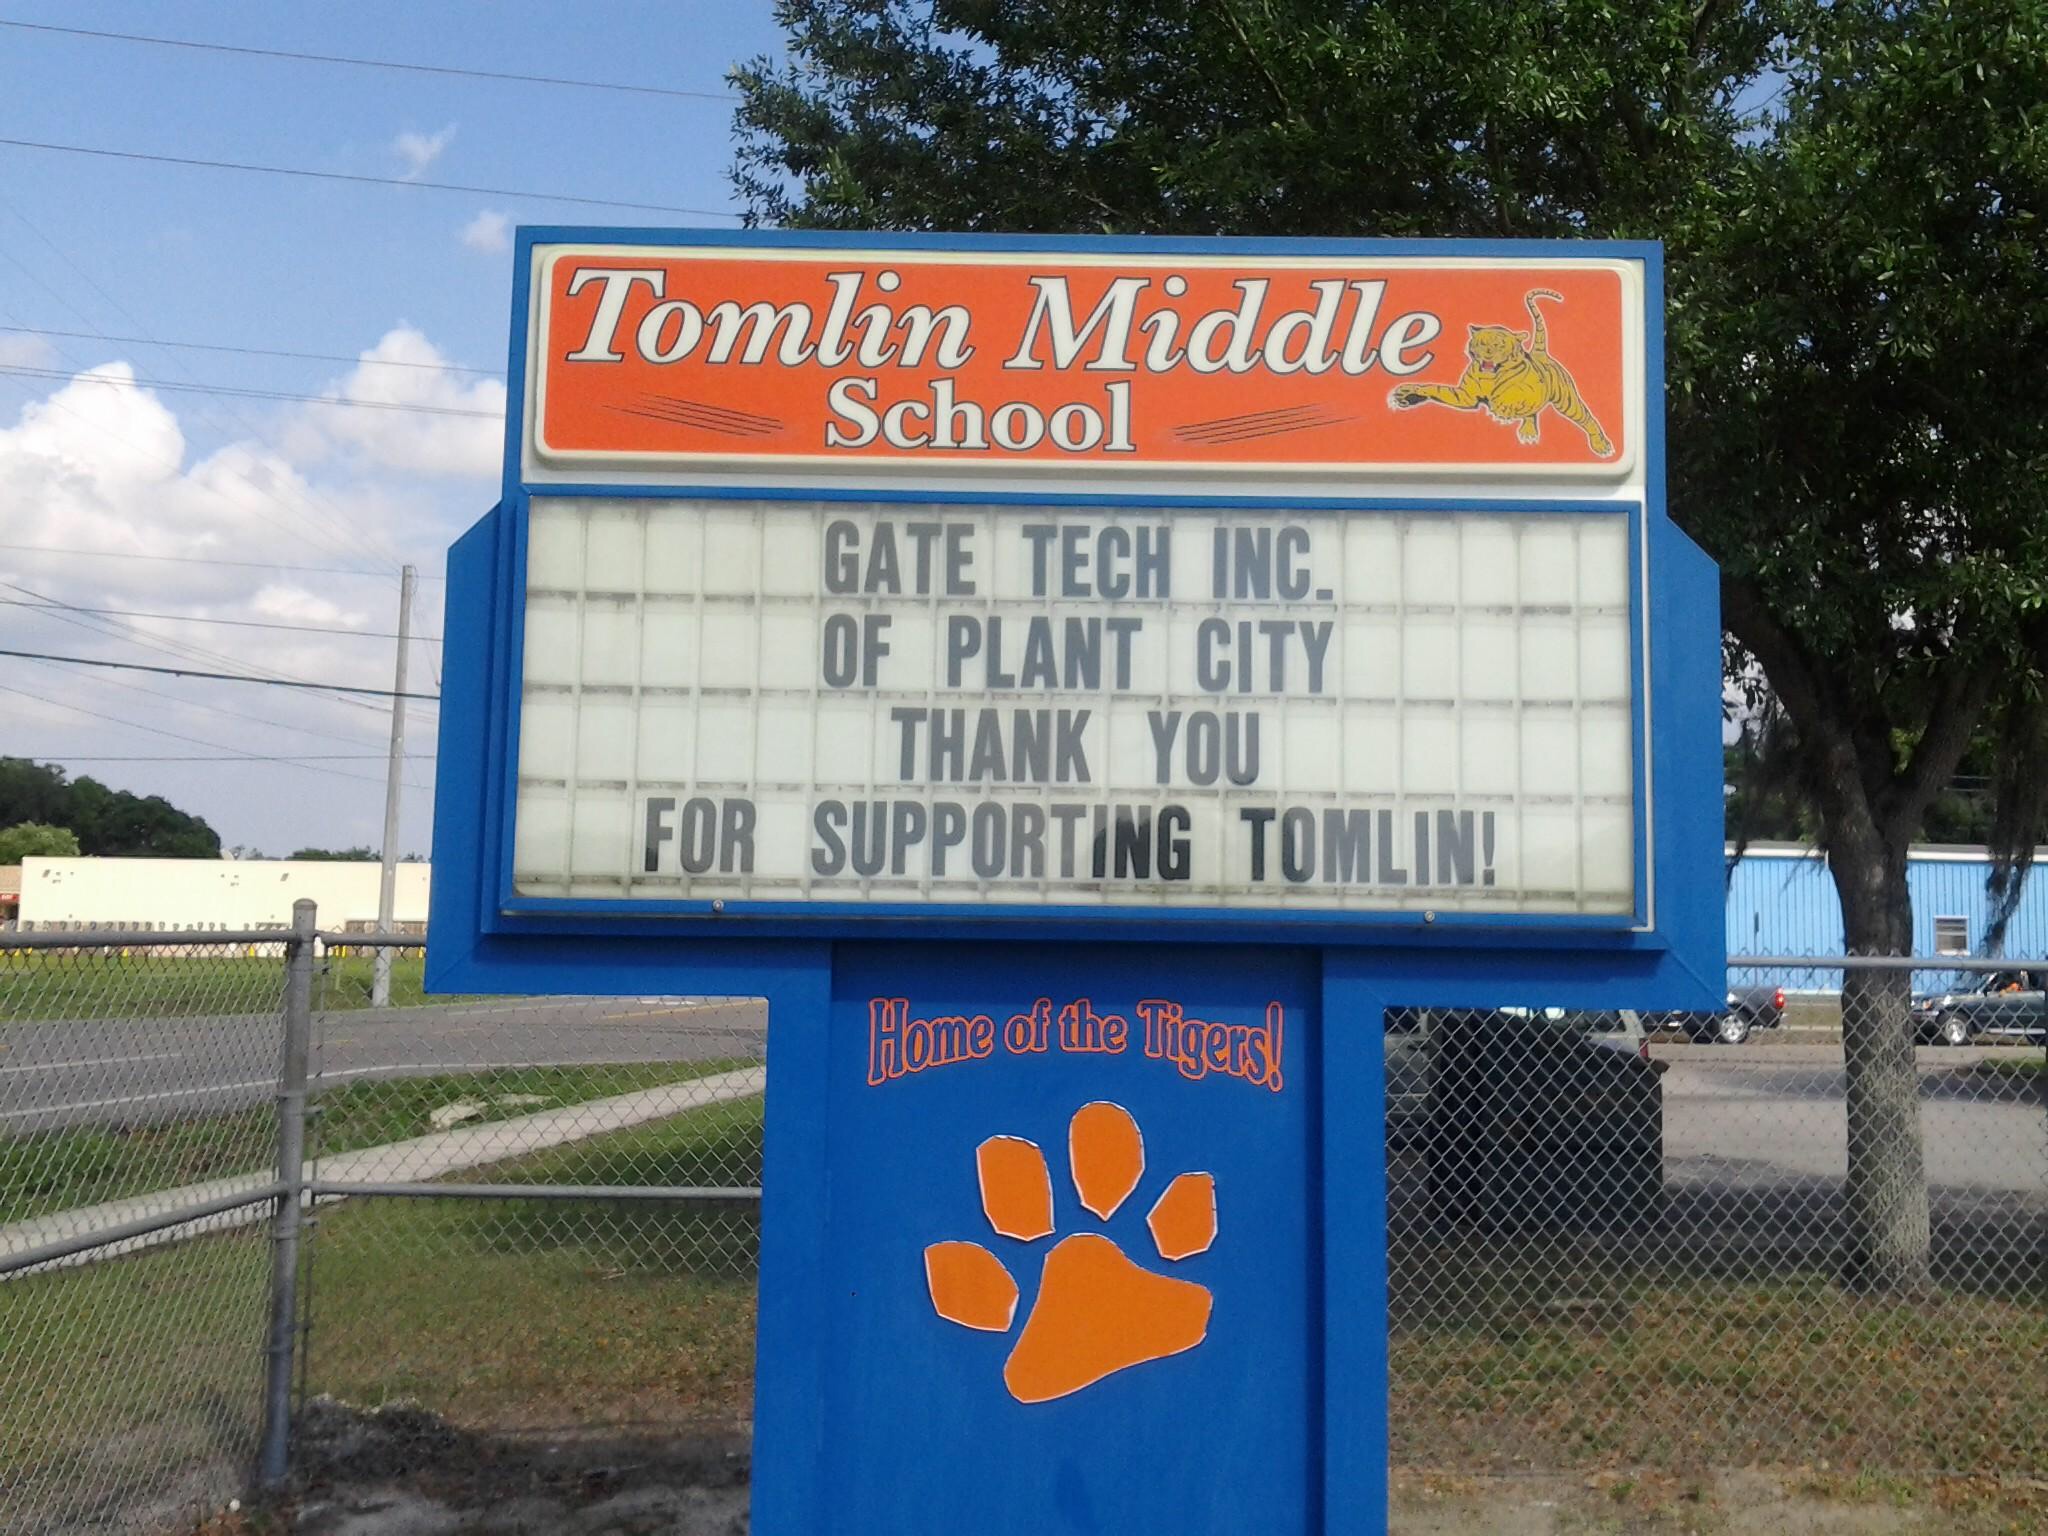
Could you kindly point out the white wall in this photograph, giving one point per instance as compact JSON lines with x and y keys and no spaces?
{"x":221,"y":894}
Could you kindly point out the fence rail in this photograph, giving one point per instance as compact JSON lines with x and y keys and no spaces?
{"x":1974,"y":964}
{"x":224,"y":1179}
{"x":1616,"y":1240}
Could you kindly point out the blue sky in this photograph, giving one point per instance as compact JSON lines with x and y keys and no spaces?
{"x":411,"y":282}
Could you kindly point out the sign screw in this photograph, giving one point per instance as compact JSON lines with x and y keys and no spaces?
{"x":718,"y":905}
{"x":1429,"y":917}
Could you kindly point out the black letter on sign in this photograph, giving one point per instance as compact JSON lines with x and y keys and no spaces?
{"x":1258,"y":818}
{"x":658,"y":829}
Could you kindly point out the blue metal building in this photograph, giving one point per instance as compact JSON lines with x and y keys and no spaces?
{"x":1781,"y":901}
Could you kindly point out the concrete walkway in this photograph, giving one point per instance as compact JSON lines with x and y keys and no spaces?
{"x":417,"y":1160}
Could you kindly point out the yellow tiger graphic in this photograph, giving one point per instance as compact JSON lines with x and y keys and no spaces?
{"x":1513,"y":375}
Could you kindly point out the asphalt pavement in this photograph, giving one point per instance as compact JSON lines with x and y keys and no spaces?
{"x":140,"y":1071}
{"x":1756,"y":1114}
{"x":1765,"y":1113}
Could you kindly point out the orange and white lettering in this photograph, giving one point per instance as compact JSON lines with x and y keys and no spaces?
{"x":668,"y":356}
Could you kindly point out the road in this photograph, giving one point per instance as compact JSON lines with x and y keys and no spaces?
{"x":140,"y":1071}
{"x":1763,"y":1113}
{"x":1733,"y":1116}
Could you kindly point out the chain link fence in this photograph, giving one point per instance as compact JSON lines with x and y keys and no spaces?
{"x":1619,"y":1242}
{"x":1633,"y":1242}
{"x":219,"y":1163}
{"x":568,"y":1219}
{"x":138,"y":1157}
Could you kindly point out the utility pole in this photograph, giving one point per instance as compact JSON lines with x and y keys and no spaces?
{"x":387,"y":888}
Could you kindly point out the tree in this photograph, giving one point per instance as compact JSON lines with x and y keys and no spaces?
{"x":32,"y":792}
{"x":356,"y":855}
{"x":1855,"y":304}
{"x":109,"y":823}
{"x":1874,"y":275}
{"x":1757,"y":808}
{"x":36,"y":839}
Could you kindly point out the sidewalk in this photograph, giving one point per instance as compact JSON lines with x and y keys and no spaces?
{"x":419,"y":1159}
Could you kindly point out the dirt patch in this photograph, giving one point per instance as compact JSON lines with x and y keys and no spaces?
{"x":402,"y":1471}
{"x":1741,"y":1502}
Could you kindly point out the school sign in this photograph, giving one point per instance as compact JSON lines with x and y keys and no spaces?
{"x":1081,"y":684}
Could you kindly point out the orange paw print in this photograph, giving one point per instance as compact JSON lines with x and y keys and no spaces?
{"x":1097,"y":1312}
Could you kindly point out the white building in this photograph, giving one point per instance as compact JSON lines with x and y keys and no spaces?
{"x":219,"y":895}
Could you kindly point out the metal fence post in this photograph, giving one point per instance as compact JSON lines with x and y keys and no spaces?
{"x":274,"y":1459}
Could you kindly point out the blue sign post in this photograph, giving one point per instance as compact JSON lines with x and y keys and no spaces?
{"x":1082,"y":696}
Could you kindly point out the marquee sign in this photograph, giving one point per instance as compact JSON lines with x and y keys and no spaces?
{"x":744,"y":684}
{"x":1082,"y":685}
{"x":1295,"y":709}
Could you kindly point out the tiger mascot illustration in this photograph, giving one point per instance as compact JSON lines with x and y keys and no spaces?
{"x":1513,"y":375}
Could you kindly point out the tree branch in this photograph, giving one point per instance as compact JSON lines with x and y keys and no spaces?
{"x":1630,"y":111}
{"x":1265,"y":71}
{"x":1849,"y":823}
{"x":1960,"y":700}
{"x":1792,"y":676}
{"x":1703,"y":18}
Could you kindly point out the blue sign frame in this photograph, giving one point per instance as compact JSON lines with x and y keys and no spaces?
{"x":1669,"y":834}
{"x":1350,"y":967}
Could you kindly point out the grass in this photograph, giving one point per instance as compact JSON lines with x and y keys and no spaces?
{"x":525,"y":1314}
{"x":48,"y":1171}
{"x":528,"y":1315}
{"x":120,"y":1377}
{"x":2025,"y":1070}
{"x":498,"y":1313}
{"x":115,"y":984}
{"x":344,"y":982}
{"x":1686,"y":1371}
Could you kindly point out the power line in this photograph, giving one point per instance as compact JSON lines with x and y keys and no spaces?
{"x":243,"y":392}
{"x":342,"y":518}
{"x":220,"y":757}
{"x":258,"y":565}
{"x":157,"y":730}
{"x":193,"y":618}
{"x":222,"y":677}
{"x":164,"y":645}
{"x":95,"y":621}
{"x":156,"y":696}
{"x":181,"y":650}
{"x":321,"y":537}
{"x":56,"y":402}
{"x":418,"y":69}
{"x":208,"y":346}
{"x":377,"y":181}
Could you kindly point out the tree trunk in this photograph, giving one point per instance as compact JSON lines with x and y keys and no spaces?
{"x":1886,"y":1247}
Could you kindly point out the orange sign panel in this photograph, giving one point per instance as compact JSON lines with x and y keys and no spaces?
{"x":645,"y":356}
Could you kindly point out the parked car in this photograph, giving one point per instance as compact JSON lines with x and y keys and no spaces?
{"x":1542,"y":1118}
{"x":1407,"y":1076}
{"x":2013,"y":1003}
{"x":1408,"y":1053}
{"x":1747,"y":1009}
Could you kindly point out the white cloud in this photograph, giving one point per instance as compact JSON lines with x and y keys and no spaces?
{"x":19,"y":350}
{"x":453,"y":423}
{"x":489,"y":232}
{"x":99,"y":429}
{"x":102,"y":464}
{"x":420,"y":150}
{"x":290,"y":603}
